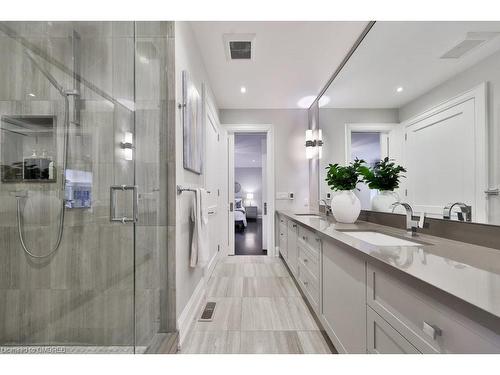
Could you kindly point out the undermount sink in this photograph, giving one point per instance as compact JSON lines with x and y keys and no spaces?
{"x":309,"y":215}
{"x":380,"y":239}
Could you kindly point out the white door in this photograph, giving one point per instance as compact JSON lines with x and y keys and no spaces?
{"x":265,"y":216}
{"x":215,"y":184}
{"x":440,"y":155}
{"x":230,"y":192}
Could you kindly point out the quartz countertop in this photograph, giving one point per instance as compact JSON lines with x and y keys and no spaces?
{"x":466,"y":271}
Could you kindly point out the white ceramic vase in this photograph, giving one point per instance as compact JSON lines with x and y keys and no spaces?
{"x":383,"y":201}
{"x":346,"y":206}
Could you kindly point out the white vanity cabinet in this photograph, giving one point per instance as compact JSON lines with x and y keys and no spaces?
{"x":282,"y":233}
{"x":343,"y":311}
{"x":421,"y":316}
{"x":382,"y":338}
{"x":292,"y":231}
{"x":367,"y":306}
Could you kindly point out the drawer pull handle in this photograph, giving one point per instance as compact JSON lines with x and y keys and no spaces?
{"x":305,"y":260}
{"x":304,"y":238}
{"x":305,"y":282}
{"x":294,"y":225}
{"x":317,"y":239}
{"x":432,"y":330}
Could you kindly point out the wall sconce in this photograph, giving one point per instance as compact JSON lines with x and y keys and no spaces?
{"x":320,"y":144}
{"x":127,"y":145}
{"x":311,"y":143}
{"x":249,"y":199}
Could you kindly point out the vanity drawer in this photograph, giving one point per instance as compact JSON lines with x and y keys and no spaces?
{"x":282,"y":220}
{"x":382,"y":338}
{"x":309,"y":284}
{"x":283,"y":241}
{"x":292,"y":226}
{"x":310,"y":238}
{"x":309,"y":259}
{"x":426,"y":323}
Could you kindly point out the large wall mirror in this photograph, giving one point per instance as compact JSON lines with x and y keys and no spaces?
{"x":427,"y":96}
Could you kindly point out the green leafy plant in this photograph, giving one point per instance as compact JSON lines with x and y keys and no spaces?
{"x":346,"y":177}
{"x":384,"y":175}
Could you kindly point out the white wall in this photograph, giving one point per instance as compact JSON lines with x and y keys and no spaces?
{"x":291,"y":167}
{"x":485,"y":71}
{"x":251,"y":182}
{"x":187,"y":57}
{"x":332,"y":123}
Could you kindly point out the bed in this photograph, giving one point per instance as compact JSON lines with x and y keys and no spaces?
{"x":240,"y":215}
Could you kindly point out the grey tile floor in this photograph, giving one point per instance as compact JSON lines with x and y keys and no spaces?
{"x":259,"y":310}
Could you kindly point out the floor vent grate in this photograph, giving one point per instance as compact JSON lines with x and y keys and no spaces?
{"x":208,"y":312}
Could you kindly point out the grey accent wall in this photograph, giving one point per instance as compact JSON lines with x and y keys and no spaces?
{"x":485,"y":71}
{"x":251,"y":181}
{"x":291,"y":167}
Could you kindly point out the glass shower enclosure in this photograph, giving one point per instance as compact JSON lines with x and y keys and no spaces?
{"x":83,"y":224}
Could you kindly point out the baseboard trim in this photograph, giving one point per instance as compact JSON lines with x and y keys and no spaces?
{"x":209,"y":269}
{"x":188,"y":316}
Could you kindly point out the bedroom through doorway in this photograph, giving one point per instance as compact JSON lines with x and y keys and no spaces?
{"x":249,"y":193}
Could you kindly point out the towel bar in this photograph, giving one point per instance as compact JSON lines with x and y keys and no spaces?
{"x":180,"y":189}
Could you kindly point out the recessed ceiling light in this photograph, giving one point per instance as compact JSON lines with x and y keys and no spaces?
{"x":399,"y":89}
{"x":306,"y":101}
{"x":31,"y":94}
{"x":253,"y":161}
{"x":243,"y":89}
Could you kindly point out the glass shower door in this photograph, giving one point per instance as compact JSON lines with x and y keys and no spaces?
{"x":67,"y":107}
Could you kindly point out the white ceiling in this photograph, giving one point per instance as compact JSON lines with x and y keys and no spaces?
{"x":248,"y":150}
{"x":293,"y":60}
{"x":405,"y":54}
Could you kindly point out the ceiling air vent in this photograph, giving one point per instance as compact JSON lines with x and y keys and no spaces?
{"x":472,"y":40}
{"x":239,"y":47}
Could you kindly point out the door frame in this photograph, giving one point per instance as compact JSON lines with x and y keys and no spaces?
{"x":268,"y":129}
{"x":383,"y":128}
{"x":212,"y":119}
{"x":481,"y":156}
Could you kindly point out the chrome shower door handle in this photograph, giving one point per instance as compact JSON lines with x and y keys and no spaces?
{"x":112,"y":204}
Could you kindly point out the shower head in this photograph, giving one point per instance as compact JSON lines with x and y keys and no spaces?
{"x":47,"y":75}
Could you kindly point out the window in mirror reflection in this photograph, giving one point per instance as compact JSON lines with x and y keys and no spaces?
{"x":366,"y":146}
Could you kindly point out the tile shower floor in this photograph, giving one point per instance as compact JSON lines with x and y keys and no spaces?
{"x":259,"y":310}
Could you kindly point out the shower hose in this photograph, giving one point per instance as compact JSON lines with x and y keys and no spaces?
{"x":20,"y":223}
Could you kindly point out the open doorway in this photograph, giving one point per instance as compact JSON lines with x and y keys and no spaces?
{"x":251,"y":189}
{"x":249,"y":193}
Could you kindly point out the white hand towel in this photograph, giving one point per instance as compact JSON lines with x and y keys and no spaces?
{"x":204,"y":206}
{"x":200,"y":240}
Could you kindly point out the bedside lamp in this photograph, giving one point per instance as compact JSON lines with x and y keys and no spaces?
{"x":249,"y":199}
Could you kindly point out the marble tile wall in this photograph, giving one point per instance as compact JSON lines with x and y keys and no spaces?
{"x":84,"y":294}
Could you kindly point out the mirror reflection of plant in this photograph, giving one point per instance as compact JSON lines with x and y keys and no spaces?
{"x":384,"y":175}
{"x":341,"y":177}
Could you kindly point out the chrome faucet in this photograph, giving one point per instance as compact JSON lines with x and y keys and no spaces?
{"x":328,"y":208}
{"x":412,"y":222}
{"x":464,"y":210}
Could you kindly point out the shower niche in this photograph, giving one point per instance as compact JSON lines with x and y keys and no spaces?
{"x":28,"y":149}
